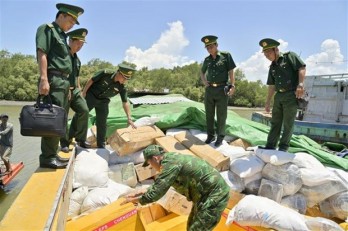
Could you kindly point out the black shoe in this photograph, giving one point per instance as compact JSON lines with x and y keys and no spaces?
{"x":283,"y":149}
{"x":53,"y":163}
{"x":84,"y":144}
{"x":65,"y":149}
{"x":62,"y":159}
{"x":218,"y":142}
{"x":266,"y":147}
{"x":101,"y":146}
{"x":209,"y":139}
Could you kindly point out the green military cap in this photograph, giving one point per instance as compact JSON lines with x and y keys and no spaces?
{"x":71,"y":10}
{"x":209,"y":39}
{"x":268,"y":43}
{"x":150,"y":151}
{"x":79,"y":34}
{"x":126,"y":70}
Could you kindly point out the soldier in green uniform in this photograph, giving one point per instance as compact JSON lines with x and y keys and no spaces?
{"x":79,"y":123}
{"x":285,"y":79}
{"x":98,"y":91}
{"x":191,"y":176}
{"x":55,"y":65}
{"x":216,"y":70}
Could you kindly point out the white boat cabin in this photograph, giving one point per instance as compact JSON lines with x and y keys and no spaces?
{"x":328,"y":98}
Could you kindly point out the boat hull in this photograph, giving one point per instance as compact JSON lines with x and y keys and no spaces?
{"x":322,"y":132}
{"x":16,"y":168}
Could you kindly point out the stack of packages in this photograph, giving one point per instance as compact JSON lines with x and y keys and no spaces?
{"x":270,"y":189}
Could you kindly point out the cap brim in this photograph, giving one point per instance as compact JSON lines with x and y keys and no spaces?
{"x":268,"y":48}
{"x":207,"y":44}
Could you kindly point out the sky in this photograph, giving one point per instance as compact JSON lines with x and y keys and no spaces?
{"x":167,"y":33}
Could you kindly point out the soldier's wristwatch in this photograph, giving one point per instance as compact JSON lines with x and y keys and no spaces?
{"x":300,"y":85}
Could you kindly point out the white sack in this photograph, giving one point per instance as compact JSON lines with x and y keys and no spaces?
{"x":254,"y":177}
{"x":233,"y":180}
{"x":123,"y":174}
{"x":274,"y":157}
{"x":233,"y":152}
{"x":271,"y":190}
{"x":287,"y":174}
{"x":336,"y":206}
{"x":261,"y":211}
{"x":297,"y":202}
{"x":136,"y":158}
{"x":76,"y":199}
{"x":319,"y":193}
{"x":305,"y":160}
{"x":99,"y":197}
{"x":247,"y":166}
{"x":322,"y":224}
{"x":146,"y":121}
{"x":90,"y":170}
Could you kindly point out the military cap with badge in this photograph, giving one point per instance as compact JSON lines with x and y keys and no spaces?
{"x":268,"y":43}
{"x":150,"y":151}
{"x":209,"y":39}
{"x":126,"y":71}
{"x":73,"y":11}
{"x":78,"y":34}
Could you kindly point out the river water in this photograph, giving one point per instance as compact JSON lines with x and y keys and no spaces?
{"x":27,"y":149}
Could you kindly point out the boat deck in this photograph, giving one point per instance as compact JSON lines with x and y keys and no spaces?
{"x":36,"y":206}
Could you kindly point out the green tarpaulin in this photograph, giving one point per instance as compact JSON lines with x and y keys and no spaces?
{"x":192,"y":115}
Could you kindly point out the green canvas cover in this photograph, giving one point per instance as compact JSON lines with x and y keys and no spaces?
{"x":192,"y":115}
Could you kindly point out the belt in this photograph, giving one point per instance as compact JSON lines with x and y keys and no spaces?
{"x":282,"y":90}
{"x":217,"y":84}
{"x":57,"y":72}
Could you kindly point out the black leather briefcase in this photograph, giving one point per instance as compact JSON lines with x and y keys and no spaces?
{"x":43,"y":119}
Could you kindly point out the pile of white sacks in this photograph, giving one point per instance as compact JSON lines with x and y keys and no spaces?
{"x":280,"y":186}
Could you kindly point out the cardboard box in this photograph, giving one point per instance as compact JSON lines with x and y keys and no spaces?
{"x":240,"y":143}
{"x":128,"y":140}
{"x":113,"y":216}
{"x":175,"y":202}
{"x":144,"y":173}
{"x":204,"y":151}
{"x":155,"y":217}
{"x":170,"y":144}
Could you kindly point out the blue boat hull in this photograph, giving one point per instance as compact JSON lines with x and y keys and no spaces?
{"x":322,"y":132}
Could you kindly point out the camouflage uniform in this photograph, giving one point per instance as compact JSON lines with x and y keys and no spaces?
{"x":198,"y":181}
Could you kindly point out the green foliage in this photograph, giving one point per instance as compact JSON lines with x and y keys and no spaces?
{"x":19,"y":77}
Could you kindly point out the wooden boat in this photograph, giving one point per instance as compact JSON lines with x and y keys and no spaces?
{"x":325,"y":117}
{"x":7,"y":178}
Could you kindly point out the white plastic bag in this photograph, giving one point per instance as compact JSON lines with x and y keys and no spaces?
{"x":261,"y":211}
